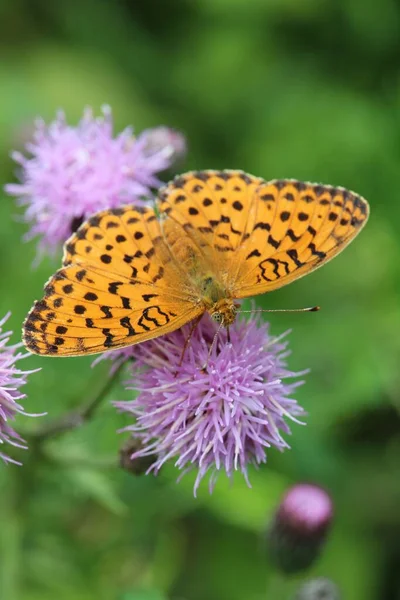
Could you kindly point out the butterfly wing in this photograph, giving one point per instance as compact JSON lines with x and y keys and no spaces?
{"x":214,"y":209}
{"x":263,"y":235}
{"x":119,"y":286}
{"x":128,"y":277}
{"x":299,"y":227}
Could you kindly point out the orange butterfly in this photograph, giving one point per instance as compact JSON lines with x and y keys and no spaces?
{"x":134,"y":273}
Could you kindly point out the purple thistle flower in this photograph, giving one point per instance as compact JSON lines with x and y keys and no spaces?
{"x":75,"y":171}
{"x":219,"y":418}
{"x":11,"y":379}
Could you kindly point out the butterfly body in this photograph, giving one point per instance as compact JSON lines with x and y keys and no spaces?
{"x":131,"y":274}
{"x":224,"y":311}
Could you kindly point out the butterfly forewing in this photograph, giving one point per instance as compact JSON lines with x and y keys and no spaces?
{"x":311,"y":224}
{"x":118,"y":287}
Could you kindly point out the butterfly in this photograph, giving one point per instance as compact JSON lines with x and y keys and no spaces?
{"x":134,"y":273}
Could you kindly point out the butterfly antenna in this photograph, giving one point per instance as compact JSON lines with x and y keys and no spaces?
{"x":273,"y":310}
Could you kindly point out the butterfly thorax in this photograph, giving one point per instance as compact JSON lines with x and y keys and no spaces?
{"x":198,"y":267}
{"x":221,"y":308}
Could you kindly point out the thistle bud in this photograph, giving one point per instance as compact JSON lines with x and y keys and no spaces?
{"x":137,"y":465}
{"x":318,"y":589}
{"x":299,"y":527}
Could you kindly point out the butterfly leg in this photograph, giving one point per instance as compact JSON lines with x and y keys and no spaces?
{"x":204,"y":367}
{"x":187,"y":341}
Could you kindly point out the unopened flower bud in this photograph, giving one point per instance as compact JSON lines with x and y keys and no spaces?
{"x":137,"y":465}
{"x":299,"y":527}
{"x":167,"y":141}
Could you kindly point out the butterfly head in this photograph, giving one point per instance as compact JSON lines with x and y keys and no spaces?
{"x":224,"y":311}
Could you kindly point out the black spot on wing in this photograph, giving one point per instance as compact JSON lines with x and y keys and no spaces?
{"x":261,"y":225}
{"x":148,"y":297}
{"x":253,"y":253}
{"x":113,"y":287}
{"x":302,"y":216}
{"x":291,"y":235}
{"x":80,"y":274}
{"x":108,"y":342}
{"x":118,"y":212}
{"x":107,"y":311}
{"x":315,"y":252}
{"x":94,"y":221}
{"x":126,"y":323}
{"x":274,"y":243}
{"x":292,"y":253}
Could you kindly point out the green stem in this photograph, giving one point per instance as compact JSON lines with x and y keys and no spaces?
{"x":278,"y":587}
{"x":102,"y":463}
{"x":23,"y":488}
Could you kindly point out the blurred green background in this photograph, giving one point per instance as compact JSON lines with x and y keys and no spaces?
{"x":308,"y":89}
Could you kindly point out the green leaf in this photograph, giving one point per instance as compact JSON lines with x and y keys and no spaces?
{"x":142,"y":594}
{"x":96,"y":485}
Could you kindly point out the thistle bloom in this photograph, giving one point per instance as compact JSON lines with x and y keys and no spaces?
{"x":11,"y":379}
{"x":221,"y":417}
{"x":73,"y":172}
{"x":299,"y":528}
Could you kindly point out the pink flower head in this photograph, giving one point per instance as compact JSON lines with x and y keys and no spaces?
{"x":73,"y":172}
{"x":219,"y":418}
{"x":11,"y":379}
